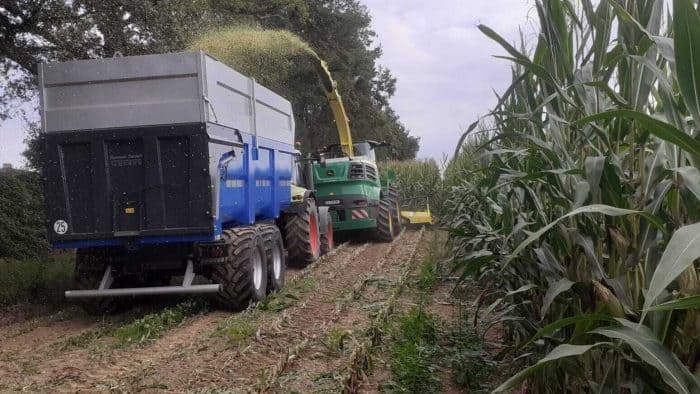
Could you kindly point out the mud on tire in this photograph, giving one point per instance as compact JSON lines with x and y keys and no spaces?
{"x":326,"y":230}
{"x":243,"y":276}
{"x":274,"y":252}
{"x":395,"y":199}
{"x":385,"y":221}
{"x":302,"y":236}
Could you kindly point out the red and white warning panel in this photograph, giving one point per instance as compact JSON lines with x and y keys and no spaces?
{"x":360,"y":214}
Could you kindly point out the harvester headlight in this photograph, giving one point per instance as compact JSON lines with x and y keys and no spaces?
{"x":360,"y":203}
{"x":332,"y":202}
{"x":330,"y":173}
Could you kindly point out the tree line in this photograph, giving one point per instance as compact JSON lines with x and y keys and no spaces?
{"x":35,"y":31}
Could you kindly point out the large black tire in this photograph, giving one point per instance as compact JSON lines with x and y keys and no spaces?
{"x":385,"y":221}
{"x":302,"y":237}
{"x":243,"y":276}
{"x":90,"y":265}
{"x":395,"y":199}
{"x":274,"y":251}
{"x":326,"y":229}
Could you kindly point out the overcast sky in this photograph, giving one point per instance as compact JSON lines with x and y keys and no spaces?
{"x":445,"y":67}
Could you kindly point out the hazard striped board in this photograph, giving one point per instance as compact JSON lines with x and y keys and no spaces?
{"x":360,"y":214}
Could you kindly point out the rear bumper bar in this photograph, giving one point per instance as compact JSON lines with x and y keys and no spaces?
{"x":141,"y":291}
{"x":104,"y":290}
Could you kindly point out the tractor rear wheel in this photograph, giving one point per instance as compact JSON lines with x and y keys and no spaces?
{"x":274,"y":250}
{"x":90,"y":266}
{"x":385,"y":221}
{"x":326,"y":229}
{"x":243,"y":276}
{"x":302,"y":236}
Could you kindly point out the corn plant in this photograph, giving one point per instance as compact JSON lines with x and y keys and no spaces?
{"x":580,"y":209}
{"x":419,"y":183}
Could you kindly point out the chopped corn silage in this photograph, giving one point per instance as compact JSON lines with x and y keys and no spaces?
{"x":277,"y":59}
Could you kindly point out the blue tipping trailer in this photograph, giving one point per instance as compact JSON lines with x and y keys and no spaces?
{"x":170,"y":165}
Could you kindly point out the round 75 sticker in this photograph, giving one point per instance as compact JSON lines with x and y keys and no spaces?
{"x":60,"y":227}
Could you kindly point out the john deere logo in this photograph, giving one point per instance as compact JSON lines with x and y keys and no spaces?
{"x":330,"y":173}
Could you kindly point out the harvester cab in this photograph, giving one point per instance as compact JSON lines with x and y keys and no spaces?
{"x":358,"y":196}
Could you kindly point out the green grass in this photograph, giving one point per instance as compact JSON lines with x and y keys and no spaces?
{"x":288,"y":296}
{"x":243,"y":325}
{"x":135,"y":327}
{"x":238,"y":327}
{"x":472,"y":367}
{"x":85,"y":339}
{"x":37,"y":281}
{"x":413,"y":353}
{"x":154,"y":325}
{"x":430,"y":273}
{"x":417,"y":326}
{"x":421,"y":344}
{"x":426,"y":350}
{"x":335,"y":339}
{"x":432,"y":269}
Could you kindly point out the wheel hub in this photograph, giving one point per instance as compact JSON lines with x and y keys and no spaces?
{"x":257,"y":269}
{"x":313,"y":233}
{"x":329,"y":235}
{"x":276,"y":262}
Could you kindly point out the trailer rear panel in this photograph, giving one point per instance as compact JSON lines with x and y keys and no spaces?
{"x":138,"y":182}
{"x":160,"y":148}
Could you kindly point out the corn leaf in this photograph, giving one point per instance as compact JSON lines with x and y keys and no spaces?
{"x":502,"y":41}
{"x":522,"y":289}
{"x":681,"y":251}
{"x":595,"y":208}
{"x":686,"y":26}
{"x":594,"y":171}
{"x":643,"y":343}
{"x":691,"y":179}
{"x":554,"y":290}
{"x":660,"y":129}
{"x":692,"y":302}
{"x":559,"y":352}
{"x":628,"y":19}
{"x":567,"y":321}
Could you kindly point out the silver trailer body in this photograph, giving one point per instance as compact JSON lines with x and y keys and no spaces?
{"x":145,"y":115}
{"x":149,"y":157}
{"x":164,"y":89}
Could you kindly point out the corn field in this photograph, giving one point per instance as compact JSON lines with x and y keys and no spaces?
{"x":580,"y":208}
{"x":419,"y":183}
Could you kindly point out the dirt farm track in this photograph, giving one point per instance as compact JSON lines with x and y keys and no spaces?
{"x":282,"y":346}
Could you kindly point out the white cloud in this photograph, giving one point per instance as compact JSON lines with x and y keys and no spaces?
{"x":12,"y":135}
{"x":445,"y":66}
